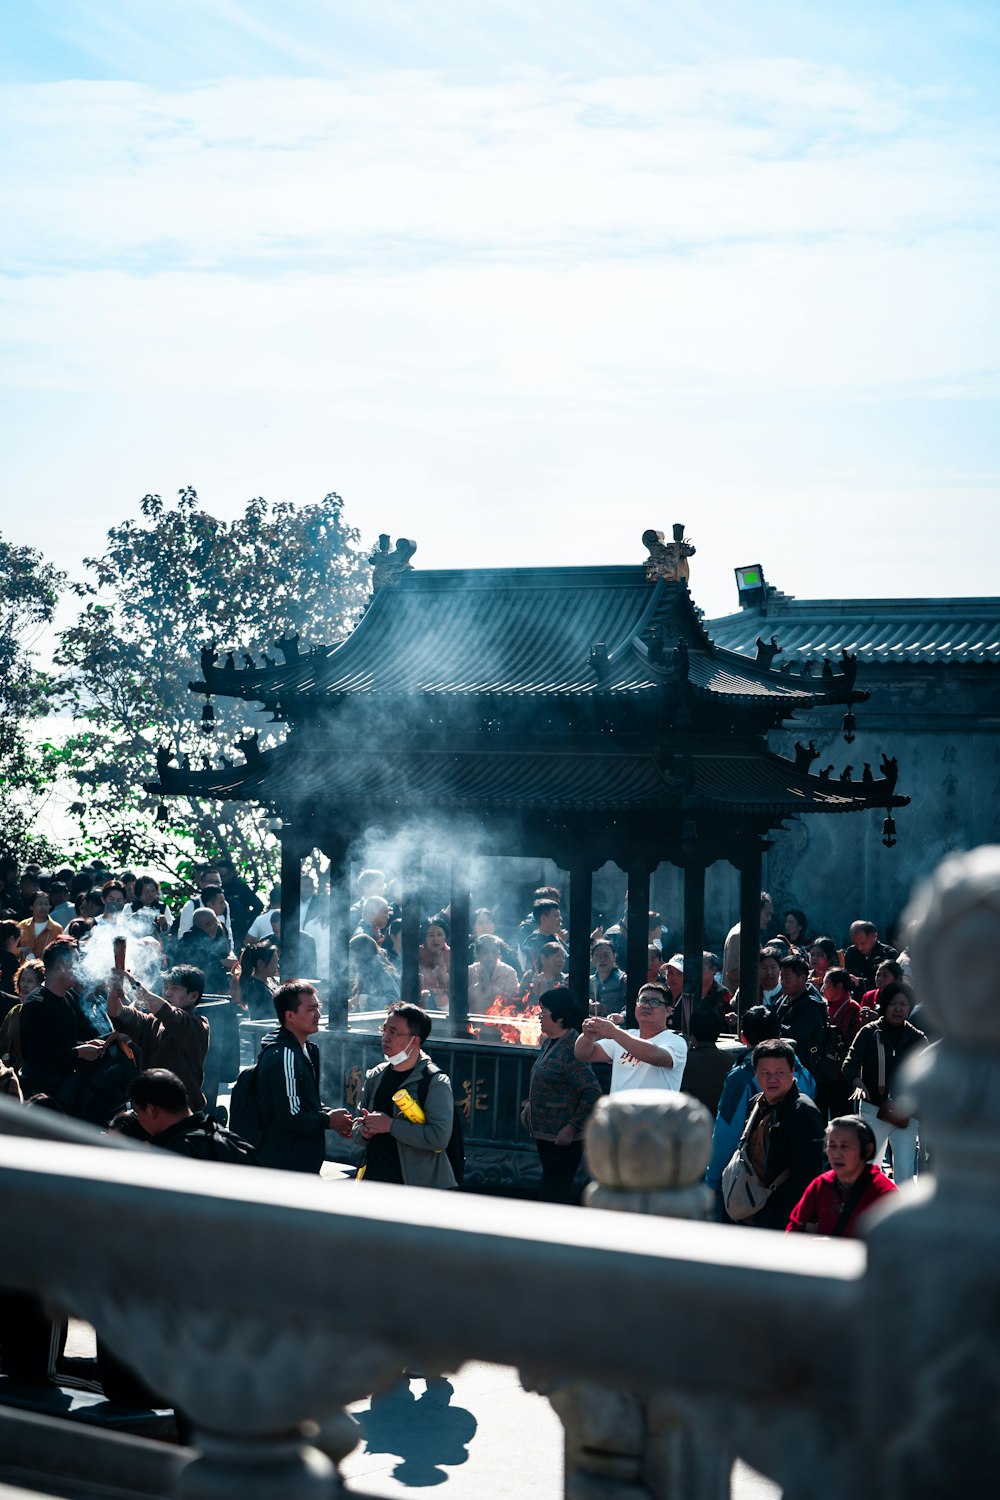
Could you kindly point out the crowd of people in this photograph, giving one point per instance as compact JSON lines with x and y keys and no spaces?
{"x":101,"y":988}
{"x":100,"y":985}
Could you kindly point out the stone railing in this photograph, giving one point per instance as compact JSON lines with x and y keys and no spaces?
{"x":263,"y":1304}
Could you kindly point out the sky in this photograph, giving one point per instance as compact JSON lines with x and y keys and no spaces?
{"x":517,"y":280}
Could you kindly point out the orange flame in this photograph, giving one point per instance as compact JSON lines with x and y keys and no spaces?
{"x":526,"y":1027}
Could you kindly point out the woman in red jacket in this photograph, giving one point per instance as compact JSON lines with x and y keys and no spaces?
{"x":834,"y":1201}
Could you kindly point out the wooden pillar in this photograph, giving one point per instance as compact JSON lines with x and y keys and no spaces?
{"x":338,"y":983}
{"x":291,"y":900}
{"x":694,"y":929}
{"x":458,"y":979}
{"x":581,"y":891}
{"x":412,"y":884}
{"x":750,"y":875}
{"x":637,"y":947}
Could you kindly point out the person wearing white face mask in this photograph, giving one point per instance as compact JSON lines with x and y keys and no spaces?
{"x":399,"y":1147}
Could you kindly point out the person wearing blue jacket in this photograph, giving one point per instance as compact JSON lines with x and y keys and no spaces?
{"x":759,"y":1025}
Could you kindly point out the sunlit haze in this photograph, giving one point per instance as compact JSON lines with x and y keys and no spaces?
{"x":518,"y":282}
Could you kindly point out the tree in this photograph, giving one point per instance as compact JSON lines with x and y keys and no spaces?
{"x":29,"y":592}
{"x":168,"y":585}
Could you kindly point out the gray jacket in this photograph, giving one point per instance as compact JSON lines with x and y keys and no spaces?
{"x":422,"y":1156}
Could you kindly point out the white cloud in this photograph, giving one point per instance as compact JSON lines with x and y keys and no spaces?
{"x":517,"y":320}
{"x":281,"y":171}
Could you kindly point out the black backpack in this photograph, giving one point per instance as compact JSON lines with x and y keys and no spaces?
{"x":209,"y":1141}
{"x":244,"y":1109}
{"x":827,"y":1060}
{"x":455,"y":1149}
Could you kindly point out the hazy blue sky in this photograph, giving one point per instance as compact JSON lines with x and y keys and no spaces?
{"x":518,"y":280}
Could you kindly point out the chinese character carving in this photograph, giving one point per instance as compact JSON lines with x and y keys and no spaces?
{"x":481,"y":1101}
{"x":352,"y":1088}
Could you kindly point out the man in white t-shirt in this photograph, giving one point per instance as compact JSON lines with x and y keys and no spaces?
{"x":650,"y":1058}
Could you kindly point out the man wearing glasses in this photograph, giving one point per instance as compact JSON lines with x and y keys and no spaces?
{"x":650,"y":1057}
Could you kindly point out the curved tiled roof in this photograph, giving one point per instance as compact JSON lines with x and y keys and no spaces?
{"x":741,"y":782}
{"x":525,"y":632}
{"x":883,"y":631}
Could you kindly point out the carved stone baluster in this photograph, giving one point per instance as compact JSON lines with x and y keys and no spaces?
{"x":648,"y":1151}
{"x":267,"y":1399}
{"x":929,"y":1346}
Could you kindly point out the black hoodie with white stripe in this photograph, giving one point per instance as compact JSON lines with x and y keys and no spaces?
{"x":293,"y":1119}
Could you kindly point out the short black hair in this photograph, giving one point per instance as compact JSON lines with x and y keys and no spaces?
{"x":547,"y":893}
{"x":841,"y":978}
{"x":542,"y":909}
{"x":62,"y":950}
{"x":418,"y":1020}
{"x":289,"y":995}
{"x":760,"y":1024}
{"x":563,"y":1006}
{"x":794,"y":961}
{"x":889,"y":992}
{"x":706,"y":1023}
{"x":211,"y":892}
{"x":774,"y":1047}
{"x":161,"y":1088}
{"x":188,"y":977}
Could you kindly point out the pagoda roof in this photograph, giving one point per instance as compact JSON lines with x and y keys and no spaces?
{"x":884,"y":631}
{"x":526,"y":633}
{"x":747,"y":781}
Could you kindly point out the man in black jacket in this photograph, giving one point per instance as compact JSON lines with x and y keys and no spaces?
{"x":802,"y":1012}
{"x":862,"y":958}
{"x":293,"y":1121}
{"x":55,"y":1038}
{"x":159,"y":1102}
{"x":785,"y":1144}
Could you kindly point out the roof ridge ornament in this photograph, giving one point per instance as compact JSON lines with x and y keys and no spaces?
{"x":388,"y":566}
{"x":767,"y":651}
{"x":668,"y":560}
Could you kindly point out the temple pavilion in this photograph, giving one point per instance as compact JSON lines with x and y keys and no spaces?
{"x":581,"y":714}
